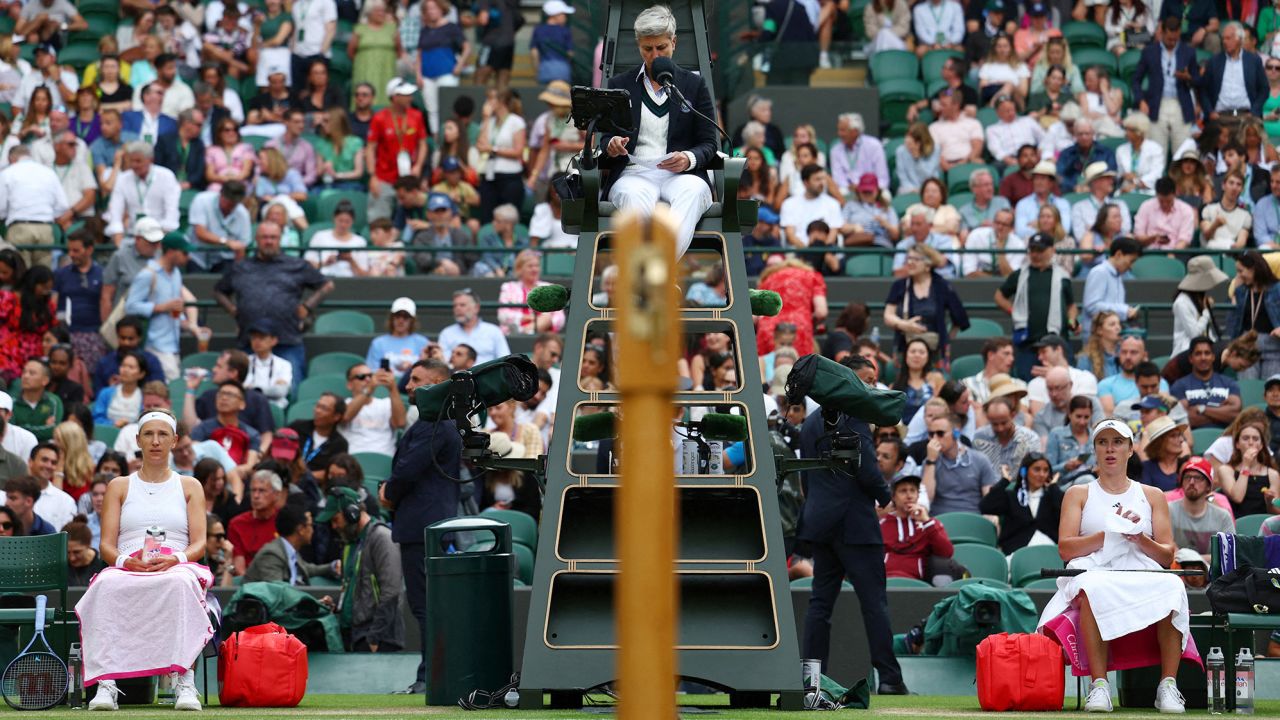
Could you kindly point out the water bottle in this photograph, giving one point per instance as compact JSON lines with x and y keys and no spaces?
{"x":152,"y":543}
{"x":1244,"y":682}
{"x":875,"y":335}
{"x":1215,"y":665}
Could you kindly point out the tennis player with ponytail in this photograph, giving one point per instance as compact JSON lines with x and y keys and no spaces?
{"x":146,"y":614}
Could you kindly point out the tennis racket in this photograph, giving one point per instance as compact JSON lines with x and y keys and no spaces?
{"x":35,"y":680}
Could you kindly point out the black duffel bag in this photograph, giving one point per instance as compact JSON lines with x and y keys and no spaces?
{"x":1246,"y":590}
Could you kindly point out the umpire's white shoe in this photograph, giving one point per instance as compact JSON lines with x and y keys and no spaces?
{"x":1099,"y":699}
{"x":184,"y":691}
{"x":1168,"y":699}
{"x":105,"y":698}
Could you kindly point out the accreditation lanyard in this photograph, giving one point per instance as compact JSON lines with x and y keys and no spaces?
{"x":184,"y":149}
{"x":142,"y":190}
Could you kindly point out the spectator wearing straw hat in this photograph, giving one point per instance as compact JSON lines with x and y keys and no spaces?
{"x":1193,"y":307}
{"x":1164,"y":445}
{"x":1077,"y":158}
{"x":1044,"y":179}
{"x":1003,"y":439}
{"x":1101,"y":183}
{"x":553,"y":138}
{"x":1140,"y":161}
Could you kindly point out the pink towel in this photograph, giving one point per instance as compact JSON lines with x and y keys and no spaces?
{"x":1137,"y":649}
{"x":137,"y":624}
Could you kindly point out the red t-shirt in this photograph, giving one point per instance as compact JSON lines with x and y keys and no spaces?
{"x":248,"y":534}
{"x":393,"y":134}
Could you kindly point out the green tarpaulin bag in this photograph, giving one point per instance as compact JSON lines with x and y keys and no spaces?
{"x":958,"y":623}
{"x":301,"y":614}
{"x":857,"y":697}
{"x":833,"y":385}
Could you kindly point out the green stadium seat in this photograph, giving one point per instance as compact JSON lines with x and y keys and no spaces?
{"x":1252,"y":391}
{"x":524,"y":562}
{"x":1158,"y":267}
{"x":256,"y":141}
{"x":932,"y":87}
{"x":983,"y":561}
{"x":107,"y":434}
{"x":1088,"y":57}
{"x":902,"y":582}
{"x":7,"y":24}
{"x":204,"y":360}
{"x":1227,"y":264}
{"x":1026,"y":563}
{"x":903,"y":201}
{"x":958,"y":176}
{"x":969,"y":528}
{"x":966,"y":365}
{"x":277,"y":414}
{"x":79,"y":55}
{"x":317,"y":384}
{"x":865,"y":265}
{"x":1083,"y":35}
{"x":893,"y":65}
{"x":1042,"y":584}
{"x":557,"y":264}
{"x":960,"y":199}
{"x":333,"y":363}
{"x":524,"y":529}
{"x":989,"y":582}
{"x":300,"y":411}
{"x":933,"y":61}
{"x":1251,"y":525}
{"x":896,"y":97}
{"x":987,"y":116}
{"x":983,"y":328}
{"x":807,"y":583}
{"x":1075,"y":197}
{"x":1202,"y":438}
{"x":344,"y":322}
{"x":375,"y":464}
{"x":329,"y":200}
{"x":1134,"y":201}
{"x":1129,"y":63}
{"x":1111,"y":143}
{"x":314,"y":228}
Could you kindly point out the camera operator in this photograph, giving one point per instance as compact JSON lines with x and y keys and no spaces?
{"x":839,"y":522}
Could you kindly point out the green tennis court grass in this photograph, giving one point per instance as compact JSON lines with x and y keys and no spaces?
{"x":712,"y":707}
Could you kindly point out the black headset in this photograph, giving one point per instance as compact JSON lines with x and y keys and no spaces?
{"x":350,"y":511}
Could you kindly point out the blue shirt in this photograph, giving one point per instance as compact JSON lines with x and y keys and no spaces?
{"x":204,"y":211}
{"x":1266,"y":221}
{"x":83,"y":289}
{"x":109,"y":365}
{"x":1028,"y":209}
{"x":163,"y":329}
{"x":552,"y":41}
{"x":1213,"y":392}
{"x":1122,"y":388}
{"x":292,"y":554}
{"x":438,"y":49}
{"x":485,"y":338}
{"x":1103,"y":291}
{"x":402,"y":352}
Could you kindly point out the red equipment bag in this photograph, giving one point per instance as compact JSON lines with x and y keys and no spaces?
{"x":262,"y":666}
{"x":1020,"y":672}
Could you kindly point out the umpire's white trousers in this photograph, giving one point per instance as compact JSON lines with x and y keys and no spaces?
{"x":688,"y":195}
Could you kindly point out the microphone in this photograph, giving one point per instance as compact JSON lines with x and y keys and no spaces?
{"x":664,"y":71}
{"x":596,"y":426}
{"x":723,"y":426}
{"x":548,"y":298}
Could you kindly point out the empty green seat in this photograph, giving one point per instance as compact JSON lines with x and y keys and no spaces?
{"x":966,"y":365}
{"x":333,"y":363}
{"x":344,"y":322}
{"x":1026,"y":563}
{"x":1158,"y":267}
{"x":963,"y":527}
{"x":524,"y":529}
{"x":983,"y":561}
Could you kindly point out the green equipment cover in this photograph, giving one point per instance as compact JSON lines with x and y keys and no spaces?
{"x":835,"y":386}
{"x":958,"y":623}
{"x":513,"y":376}
{"x":301,"y":614}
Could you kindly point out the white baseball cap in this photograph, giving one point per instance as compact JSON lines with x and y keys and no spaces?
{"x":1120,"y":426}
{"x":556,"y":7}
{"x":148,"y":229}
{"x":399,"y":87}
{"x":6,"y":402}
{"x":405,"y":305}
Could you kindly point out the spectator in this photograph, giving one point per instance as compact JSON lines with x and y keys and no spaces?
{"x":799,"y":211}
{"x":241,"y":441}
{"x":83,"y":561}
{"x":1028,"y":507}
{"x":143,"y":190}
{"x":1105,"y":229}
{"x":1044,"y":179}
{"x":955,"y":400}
{"x":522,"y":320}
{"x":428,"y":221}
{"x":1193,"y":306}
{"x":231,"y":365}
{"x":121,"y":403}
{"x":1003,"y":74}
{"x":35,"y":408}
{"x":1241,"y":91}
{"x":21,"y":493}
{"x":1129,"y":24}
{"x":463,"y":357}
{"x":1011,"y":132}
{"x":401,"y":346}
{"x":464,"y":195}
{"x":1029,"y":41}
{"x":958,"y":136}
{"x":1075,"y":160}
{"x":1101,"y":182}
{"x":280,"y":561}
{"x":505,"y":233}
{"x":388,"y":261}
{"x":321,"y":439}
{"x":939,"y":25}
{"x":1249,"y":479}
{"x":107,"y":152}
{"x":271,"y":40}
{"x":370,"y":423}
{"x":62,"y":359}
{"x":1164,"y":222}
{"x":228,"y":159}
{"x":954,"y":76}
{"x":269,"y":374}
{"x":221,"y":227}
{"x":983,"y":27}
{"x":1266,"y":226}
{"x":888,"y":25}
{"x":856,"y":154}
{"x":442,"y":49}
{"x":76,"y":177}
{"x":1194,"y":517}
{"x":1007,"y":250}
{"x":1104,"y":287}
{"x":31,"y":200}
{"x":1004,"y":441}
{"x":78,"y":285}
{"x":916,"y":159}
{"x":486,"y":338}
{"x":928,"y":304}
{"x":345,"y":258}
{"x":503,"y":139}
{"x":228,"y":43}
{"x":296,"y":151}
{"x":1037,"y":310}
{"x":1194,"y":186}
{"x":869,"y":218}
{"x":249,"y":531}
{"x":804,"y":304}
{"x":76,"y":464}
{"x":1019,"y":183}
{"x":911,"y":538}
{"x":997,"y":359}
{"x":981,"y":210}
{"x":396,"y":147}
{"x":955,"y":477}
{"x":53,"y":504}
{"x":918,"y":378}
{"x":1211,"y":400}
{"x":339,"y":153}
{"x":314,"y":26}
{"x":1140,"y":160}
{"x":14,"y":439}
{"x":129,"y":340}
{"x":1099,"y":353}
{"x":320,"y":95}
{"x":1226,"y":224}
{"x":157,"y":295}
{"x":799,"y":52}
{"x":1165,"y":447}
{"x":269,"y":286}
{"x":1067,"y":445}
{"x":25,"y":317}
{"x":267,"y":108}
{"x":1257,"y":298}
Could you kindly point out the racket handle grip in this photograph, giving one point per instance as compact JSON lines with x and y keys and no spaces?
{"x":41,"y":602}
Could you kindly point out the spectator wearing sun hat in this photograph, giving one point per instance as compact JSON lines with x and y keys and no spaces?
{"x":401,"y":345}
{"x":553,"y":138}
{"x":1101,"y":183}
{"x":1044,"y":178}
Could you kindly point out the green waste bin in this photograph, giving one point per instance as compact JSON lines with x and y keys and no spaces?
{"x":469,"y":609}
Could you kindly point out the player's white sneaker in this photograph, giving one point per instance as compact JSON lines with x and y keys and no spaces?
{"x":1168,"y":699}
{"x":105,"y":698}
{"x":1099,"y":699}
{"x":184,"y":690}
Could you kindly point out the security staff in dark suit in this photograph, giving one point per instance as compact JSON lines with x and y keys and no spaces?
{"x":183,"y":151}
{"x":840,"y":524}
{"x":676,"y":143}
{"x":1172,"y":75}
{"x":422,"y":491}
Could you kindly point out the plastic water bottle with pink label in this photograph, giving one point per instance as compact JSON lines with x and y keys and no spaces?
{"x":153,"y":543}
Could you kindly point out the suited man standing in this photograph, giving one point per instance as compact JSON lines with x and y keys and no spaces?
{"x":1172,"y":75}
{"x":673,"y":141}
{"x":1234,"y":84}
{"x":183,"y":151}
{"x":839,"y":522}
{"x":149,"y":124}
{"x":279,"y":561}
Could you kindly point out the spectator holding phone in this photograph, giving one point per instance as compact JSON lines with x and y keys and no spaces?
{"x":370,"y":423}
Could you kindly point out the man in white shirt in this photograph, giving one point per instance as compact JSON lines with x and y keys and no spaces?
{"x":40,"y":20}
{"x":42,"y":149}
{"x":19,"y":441}
{"x":485,"y":337}
{"x":800,"y":210}
{"x":999,"y":236}
{"x":53,"y":504}
{"x":1101,"y":182}
{"x":177,"y":94}
{"x":370,"y":423}
{"x":62,"y":84}
{"x":31,"y":199}
{"x":77,"y":178}
{"x":1011,"y":132}
{"x":220,"y":226}
{"x":144,"y":190}
{"x":939,"y":25}
{"x":1051,"y":350}
{"x":1140,"y":160}
{"x":314,"y":24}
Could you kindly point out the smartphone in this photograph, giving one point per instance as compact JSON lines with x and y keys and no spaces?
{"x":385,"y":364}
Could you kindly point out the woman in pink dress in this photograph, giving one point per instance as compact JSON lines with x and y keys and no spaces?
{"x":227,"y":158}
{"x":804,"y":303}
{"x":522,"y":320}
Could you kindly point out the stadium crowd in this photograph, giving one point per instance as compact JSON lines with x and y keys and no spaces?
{"x":287,"y":147}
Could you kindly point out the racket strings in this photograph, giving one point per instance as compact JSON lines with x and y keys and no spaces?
{"x":34,"y":681}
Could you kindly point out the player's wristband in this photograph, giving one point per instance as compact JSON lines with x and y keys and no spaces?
{"x":182,"y":557}
{"x":121,"y":560}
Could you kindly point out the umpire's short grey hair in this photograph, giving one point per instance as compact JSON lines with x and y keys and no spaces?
{"x":139,"y":147}
{"x":269,"y":477}
{"x":654,"y":22}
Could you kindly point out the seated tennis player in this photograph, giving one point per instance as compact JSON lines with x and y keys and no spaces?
{"x":1114,"y":529}
{"x":146,"y":614}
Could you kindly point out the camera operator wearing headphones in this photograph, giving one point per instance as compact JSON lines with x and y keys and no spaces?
{"x":369,"y":606}
{"x":422,"y":490}
{"x":839,"y":522}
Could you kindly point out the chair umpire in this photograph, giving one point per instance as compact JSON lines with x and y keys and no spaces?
{"x":840,"y":524}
